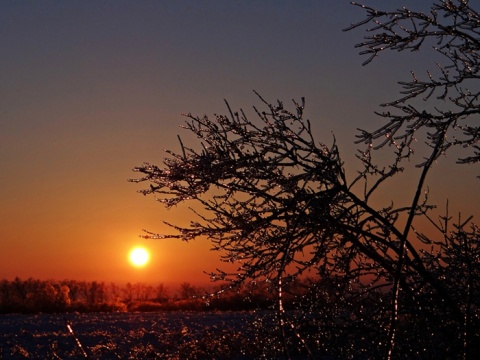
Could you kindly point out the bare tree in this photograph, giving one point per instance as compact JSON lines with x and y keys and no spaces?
{"x":280,"y":204}
{"x":188,"y":291}
{"x":161,"y":293}
{"x":449,"y":110}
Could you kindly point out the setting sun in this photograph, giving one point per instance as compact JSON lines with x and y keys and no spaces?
{"x":139,"y":256}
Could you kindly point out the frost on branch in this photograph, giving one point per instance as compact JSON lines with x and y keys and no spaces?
{"x":269,"y":188}
{"x":446,"y":96}
{"x":278,"y":205}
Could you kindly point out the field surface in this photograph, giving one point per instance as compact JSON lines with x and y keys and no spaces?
{"x":160,"y":335}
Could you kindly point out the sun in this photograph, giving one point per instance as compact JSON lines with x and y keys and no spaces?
{"x":139,"y":256}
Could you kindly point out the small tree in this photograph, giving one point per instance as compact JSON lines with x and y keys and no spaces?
{"x":161,"y":293}
{"x":280,"y":204}
{"x":188,"y":291}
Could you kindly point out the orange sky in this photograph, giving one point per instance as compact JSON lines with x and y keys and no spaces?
{"x":89,"y":89}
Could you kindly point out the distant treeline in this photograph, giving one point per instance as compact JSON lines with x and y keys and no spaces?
{"x":49,"y":296}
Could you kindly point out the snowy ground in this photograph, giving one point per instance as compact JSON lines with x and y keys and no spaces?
{"x":163,"y":335}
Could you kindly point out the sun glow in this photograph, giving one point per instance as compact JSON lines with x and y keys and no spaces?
{"x":139,"y":256}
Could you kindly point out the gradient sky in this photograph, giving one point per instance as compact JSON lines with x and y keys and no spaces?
{"x":90,"y":89}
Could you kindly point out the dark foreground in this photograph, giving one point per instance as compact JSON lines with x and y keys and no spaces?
{"x":161,"y":335}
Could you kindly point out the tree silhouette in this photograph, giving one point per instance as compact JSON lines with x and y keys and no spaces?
{"x":280,"y":204}
{"x":188,"y":291}
{"x":161,"y":293}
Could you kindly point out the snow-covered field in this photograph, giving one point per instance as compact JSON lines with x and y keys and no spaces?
{"x":161,"y":335}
